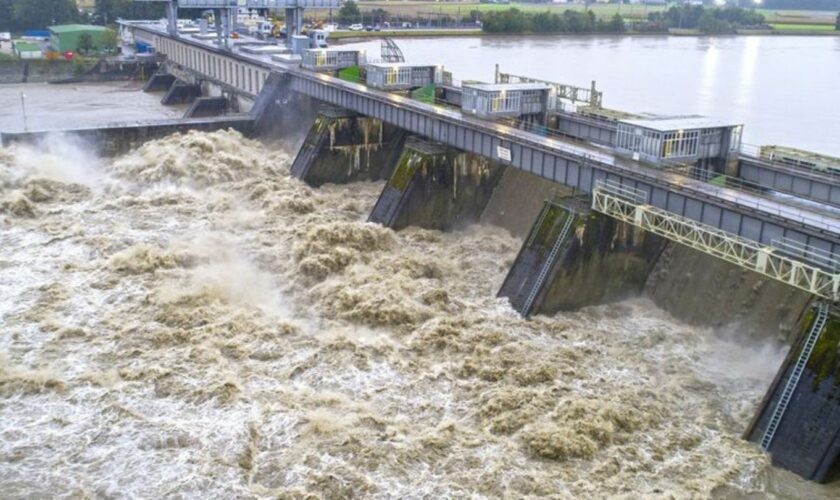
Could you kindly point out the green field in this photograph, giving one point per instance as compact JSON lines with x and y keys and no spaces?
{"x":338,"y":35}
{"x":803,"y":27}
{"x":428,"y":10}
{"x":412,"y":9}
{"x":780,"y":20}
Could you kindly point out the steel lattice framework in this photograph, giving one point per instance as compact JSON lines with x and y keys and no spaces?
{"x":629,"y":205}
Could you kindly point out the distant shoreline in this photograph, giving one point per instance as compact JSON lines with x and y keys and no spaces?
{"x":352,"y":37}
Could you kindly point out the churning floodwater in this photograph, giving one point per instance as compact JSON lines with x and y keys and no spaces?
{"x":190,"y":321}
{"x":783,"y":88}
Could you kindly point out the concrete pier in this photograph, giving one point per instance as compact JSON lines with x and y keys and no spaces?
{"x":436,"y":187}
{"x":181,"y":93}
{"x":159,"y":82}
{"x":280,"y":113}
{"x":344,"y":147}
{"x":204,"y":107}
{"x":574,"y":257}
{"x":807,"y":438}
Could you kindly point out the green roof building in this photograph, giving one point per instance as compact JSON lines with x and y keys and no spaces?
{"x":69,"y":37}
{"x":27,"y":50}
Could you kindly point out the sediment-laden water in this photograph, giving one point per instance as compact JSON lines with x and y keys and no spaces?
{"x":188,"y":320}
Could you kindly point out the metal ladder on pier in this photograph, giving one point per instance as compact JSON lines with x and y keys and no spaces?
{"x":558,"y":244}
{"x":796,"y":374}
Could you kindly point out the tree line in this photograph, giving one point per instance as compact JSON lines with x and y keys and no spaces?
{"x":516,"y":21}
{"x":704,"y":19}
{"x":20,"y":15}
{"x":707,"y":20}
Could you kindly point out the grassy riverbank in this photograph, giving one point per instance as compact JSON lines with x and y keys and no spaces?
{"x":425,"y":9}
{"x":346,"y":35}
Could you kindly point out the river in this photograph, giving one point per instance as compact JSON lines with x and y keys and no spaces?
{"x":783,"y":88}
{"x":187,"y":320}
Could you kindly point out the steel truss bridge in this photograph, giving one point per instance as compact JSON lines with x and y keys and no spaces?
{"x":698,"y":213}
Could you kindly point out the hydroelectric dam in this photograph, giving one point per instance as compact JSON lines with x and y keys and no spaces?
{"x":608,"y":203}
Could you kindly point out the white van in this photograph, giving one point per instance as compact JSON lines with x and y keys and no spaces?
{"x":5,"y":36}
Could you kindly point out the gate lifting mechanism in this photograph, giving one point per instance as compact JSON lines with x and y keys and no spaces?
{"x":227,"y":10}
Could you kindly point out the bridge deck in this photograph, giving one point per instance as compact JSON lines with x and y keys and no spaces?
{"x":572,"y":163}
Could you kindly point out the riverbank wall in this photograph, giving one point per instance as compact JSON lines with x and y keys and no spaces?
{"x":61,"y":71}
{"x":117,"y":139}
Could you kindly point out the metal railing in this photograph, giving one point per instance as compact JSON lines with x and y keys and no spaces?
{"x":753,"y":151}
{"x":779,"y":412}
{"x":630,"y":205}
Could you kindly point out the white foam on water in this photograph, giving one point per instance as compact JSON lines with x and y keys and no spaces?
{"x":188,"y":320}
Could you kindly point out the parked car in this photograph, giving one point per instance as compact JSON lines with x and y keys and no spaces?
{"x":406,"y":25}
{"x":377,"y":28}
{"x":356,"y":27}
{"x":368,"y":28}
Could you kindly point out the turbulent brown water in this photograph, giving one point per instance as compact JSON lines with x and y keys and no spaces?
{"x":188,"y":320}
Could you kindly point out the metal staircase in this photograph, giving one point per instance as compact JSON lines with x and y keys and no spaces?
{"x":549,"y":261}
{"x":793,"y":381}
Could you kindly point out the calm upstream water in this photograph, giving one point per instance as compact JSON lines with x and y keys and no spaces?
{"x":785,"y":89}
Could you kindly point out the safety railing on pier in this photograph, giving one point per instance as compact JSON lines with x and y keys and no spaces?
{"x":630,"y":205}
{"x":754,"y":152}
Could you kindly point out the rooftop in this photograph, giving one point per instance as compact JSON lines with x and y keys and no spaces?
{"x":331,"y":49}
{"x":688,"y":122}
{"x":400,"y":65}
{"x":498,"y":87}
{"x":69,"y":28}
{"x":27,"y":46}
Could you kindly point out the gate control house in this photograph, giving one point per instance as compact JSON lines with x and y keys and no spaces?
{"x":401,"y":76}
{"x":690,"y":140}
{"x":331,"y":59}
{"x":505,"y":100}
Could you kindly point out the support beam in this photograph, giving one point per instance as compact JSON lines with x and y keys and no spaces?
{"x":435,"y":187}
